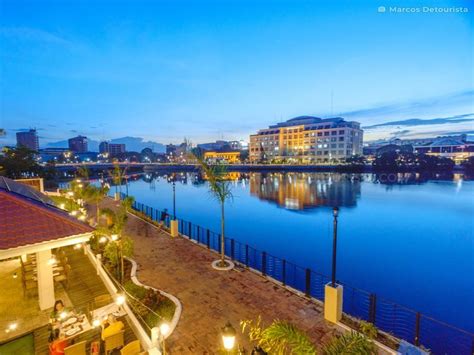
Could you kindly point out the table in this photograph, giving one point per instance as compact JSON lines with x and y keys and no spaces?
{"x":112,"y":308}
{"x":81,"y":324}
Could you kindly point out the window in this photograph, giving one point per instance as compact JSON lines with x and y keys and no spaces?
{"x":341,"y":152}
{"x":333,"y":133}
{"x":326,"y":152}
{"x":326,"y":134}
{"x":320,"y":134}
{"x":341,"y":132}
{"x":341,"y":139}
{"x":333,"y":139}
{"x":333,"y":145}
{"x":341,"y":145}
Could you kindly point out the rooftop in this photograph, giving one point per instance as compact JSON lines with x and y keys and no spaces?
{"x":29,"y":217}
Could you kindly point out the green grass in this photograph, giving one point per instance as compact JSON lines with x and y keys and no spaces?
{"x":24,"y":346}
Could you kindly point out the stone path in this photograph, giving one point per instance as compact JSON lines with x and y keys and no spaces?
{"x":210,"y":298}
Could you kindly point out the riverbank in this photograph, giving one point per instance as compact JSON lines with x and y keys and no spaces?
{"x":210,"y":298}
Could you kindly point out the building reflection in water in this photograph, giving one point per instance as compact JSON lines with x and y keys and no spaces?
{"x":301,"y":191}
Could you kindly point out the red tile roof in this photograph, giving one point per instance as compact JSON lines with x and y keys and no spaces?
{"x":24,"y":221}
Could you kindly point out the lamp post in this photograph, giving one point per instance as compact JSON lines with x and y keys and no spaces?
{"x":228,"y":337}
{"x":173,"y":178}
{"x":335,"y":213}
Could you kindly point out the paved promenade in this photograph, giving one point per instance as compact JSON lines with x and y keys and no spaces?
{"x":210,"y":298}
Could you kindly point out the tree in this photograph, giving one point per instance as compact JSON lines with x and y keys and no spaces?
{"x":115,"y":251}
{"x":221,"y":189}
{"x":19,"y":162}
{"x":118,"y":175}
{"x":95,"y":195}
{"x":468,"y":164}
{"x":279,"y":338}
{"x":285,"y":338}
{"x":352,"y":343}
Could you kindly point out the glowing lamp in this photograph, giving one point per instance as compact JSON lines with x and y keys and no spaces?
{"x":164,"y":329}
{"x":120,"y":300}
{"x":228,"y":336}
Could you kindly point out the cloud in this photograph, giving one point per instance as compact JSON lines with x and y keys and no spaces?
{"x":460,"y":101}
{"x":26,"y":129}
{"x":400,"y":133}
{"x":33,"y":35}
{"x":423,"y":122}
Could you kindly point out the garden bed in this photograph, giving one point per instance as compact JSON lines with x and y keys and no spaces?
{"x":384,"y":338}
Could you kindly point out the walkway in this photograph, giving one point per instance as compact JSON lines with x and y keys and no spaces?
{"x":211,"y":298}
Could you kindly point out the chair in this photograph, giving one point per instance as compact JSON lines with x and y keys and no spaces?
{"x":113,"y":342}
{"x":132,"y":348}
{"x":64,"y":276}
{"x":76,"y":349}
{"x":102,"y":300}
{"x":29,"y":285}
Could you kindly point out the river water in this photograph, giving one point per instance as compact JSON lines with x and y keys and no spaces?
{"x":406,"y":238}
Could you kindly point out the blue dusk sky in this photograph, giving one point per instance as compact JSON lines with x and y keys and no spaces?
{"x":206,"y":70}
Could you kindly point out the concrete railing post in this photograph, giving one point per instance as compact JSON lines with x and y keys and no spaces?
{"x":333,"y":302}
{"x":174,"y":227}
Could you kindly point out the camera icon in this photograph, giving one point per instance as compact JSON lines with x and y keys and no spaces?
{"x":381,"y":9}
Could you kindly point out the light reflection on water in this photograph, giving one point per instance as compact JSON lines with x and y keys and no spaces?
{"x":406,"y":237}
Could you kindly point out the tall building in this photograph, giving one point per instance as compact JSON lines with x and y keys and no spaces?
{"x":111,"y":148}
{"x":28,"y":139}
{"x":78,"y":144}
{"x":307,"y":139}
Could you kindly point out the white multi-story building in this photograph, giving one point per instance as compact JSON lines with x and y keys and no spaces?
{"x":307,"y":139}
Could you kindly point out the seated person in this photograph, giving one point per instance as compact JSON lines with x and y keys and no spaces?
{"x":113,"y":327}
{"x":57,"y":344}
{"x":57,"y":310}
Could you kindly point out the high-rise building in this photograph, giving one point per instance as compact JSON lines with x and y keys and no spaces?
{"x":111,"y":148}
{"x":28,"y":139}
{"x":78,"y":144}
{"x":307,"y":139}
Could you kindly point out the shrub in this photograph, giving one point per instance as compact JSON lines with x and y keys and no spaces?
{"x":352,"y":343}
{"x":136,"y":291}
{"x":368,"y":329}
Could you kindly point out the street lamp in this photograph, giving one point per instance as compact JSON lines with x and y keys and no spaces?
{"x":173,"y":180}
{"x":335,"y":212}
{"x":228,"y":336}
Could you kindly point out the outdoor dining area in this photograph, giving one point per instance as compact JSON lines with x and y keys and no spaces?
{"x":85,"y":318}
{"x":53,"y":300}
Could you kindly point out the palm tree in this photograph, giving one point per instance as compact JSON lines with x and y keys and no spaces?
{"x":285,"y":338}
{"x":221,"y":189}
{"x":118,"y":175}
{"x":278,"y":338}
{"x":116,"y":222}
{"x":95,"y":195}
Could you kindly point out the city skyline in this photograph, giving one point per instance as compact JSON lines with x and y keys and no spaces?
{"x":163,"y":71}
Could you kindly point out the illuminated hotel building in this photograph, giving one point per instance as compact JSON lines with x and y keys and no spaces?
{"x":307,"y":139}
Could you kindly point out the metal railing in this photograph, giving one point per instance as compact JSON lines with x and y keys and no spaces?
{"x":390,"y":317}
